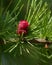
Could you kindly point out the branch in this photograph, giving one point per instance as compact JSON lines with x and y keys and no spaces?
{"x":32,"y":41}
{"x":40,"y":41}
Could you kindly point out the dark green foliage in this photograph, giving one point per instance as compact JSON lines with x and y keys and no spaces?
{"x":17,"y":50}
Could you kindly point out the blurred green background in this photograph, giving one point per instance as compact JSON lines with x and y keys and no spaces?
{"x":5,"y":4}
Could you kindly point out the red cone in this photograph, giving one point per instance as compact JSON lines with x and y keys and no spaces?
{"x":22,"y":27}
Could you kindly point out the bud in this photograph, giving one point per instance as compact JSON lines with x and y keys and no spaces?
{"x":46,"y":46}
{"x":22,"y":27}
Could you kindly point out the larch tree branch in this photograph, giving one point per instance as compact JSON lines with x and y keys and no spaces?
{"x":40,"y":41}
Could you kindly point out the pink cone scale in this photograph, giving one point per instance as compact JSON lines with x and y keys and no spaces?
{"x":22,"y":27}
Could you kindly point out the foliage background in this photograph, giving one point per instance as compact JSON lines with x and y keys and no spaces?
{"x":39,"y":55}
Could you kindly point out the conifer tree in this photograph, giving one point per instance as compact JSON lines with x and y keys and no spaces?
{"x":25,"y":33}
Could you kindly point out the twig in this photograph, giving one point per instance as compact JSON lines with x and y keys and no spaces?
{"x":40,"y":41}
{"x":32,"y":41}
